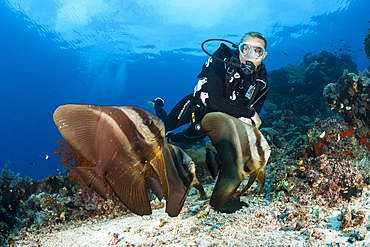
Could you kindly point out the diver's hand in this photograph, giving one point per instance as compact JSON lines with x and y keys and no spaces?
{"x":256,"y":119}
{"x":246,"y":120}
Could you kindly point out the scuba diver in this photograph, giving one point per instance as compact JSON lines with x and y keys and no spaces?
{"x":233,"y":81}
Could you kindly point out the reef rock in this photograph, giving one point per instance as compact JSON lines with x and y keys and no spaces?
{"x":334,"y":137}
{"x":318,"y":181}
{"x":350,"y":97}
{"x":311,"y":76}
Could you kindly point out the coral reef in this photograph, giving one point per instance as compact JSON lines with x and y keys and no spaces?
{"x":350,"y":96}
{"x":295,"y":98}
{"x":285,"y":126}
{"x":327,"y":166}
{"x":334,"y":137}
{"x":13,"y":191}
{"x":28,"y":204}
{"x":318,"y":181}
{"x":367,"y":44}
{"x":310,"y":77}
{"x":325,"y":67}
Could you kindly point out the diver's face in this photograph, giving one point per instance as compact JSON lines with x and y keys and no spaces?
{"x":250,"y":56}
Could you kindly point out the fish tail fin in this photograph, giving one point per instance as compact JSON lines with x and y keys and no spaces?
{"x":92,"y":179}
{"x":212,"y":162}
{"x":261,"y":180}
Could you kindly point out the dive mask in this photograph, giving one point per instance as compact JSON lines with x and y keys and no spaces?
{"x":250,"y":50}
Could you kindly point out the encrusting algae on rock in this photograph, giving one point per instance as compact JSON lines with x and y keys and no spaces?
{"x":334,"y":137}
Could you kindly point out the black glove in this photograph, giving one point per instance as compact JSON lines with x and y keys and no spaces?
{"x":158,"y":102}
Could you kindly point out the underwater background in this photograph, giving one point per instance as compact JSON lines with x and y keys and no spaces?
{"x":316,"y":117}
{"x":129,"y":52}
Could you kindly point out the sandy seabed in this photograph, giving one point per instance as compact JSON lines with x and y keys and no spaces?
{"x":255,"y":222}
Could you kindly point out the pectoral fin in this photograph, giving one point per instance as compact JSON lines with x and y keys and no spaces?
{"x":159,"y":165}
{"x":261,"y":180}
{"x":212,"y":162}
{"x":252,"y":178}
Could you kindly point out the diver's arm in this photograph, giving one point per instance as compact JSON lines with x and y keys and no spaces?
{"x":216,"y":77}
{"x":258,"y":105}
{"x":256,"y":120}
{"x":261,"y":74}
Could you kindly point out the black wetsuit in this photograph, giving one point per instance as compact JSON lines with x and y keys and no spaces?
{"x":225,"y":89}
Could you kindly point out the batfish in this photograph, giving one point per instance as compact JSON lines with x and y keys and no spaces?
{"x":123,"y":142}
{"x":242,"y":151}
{"x":181,"y":178}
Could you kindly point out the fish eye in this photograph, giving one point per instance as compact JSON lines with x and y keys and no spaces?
{"x":147,"y":121}
{"x":258,"y":144}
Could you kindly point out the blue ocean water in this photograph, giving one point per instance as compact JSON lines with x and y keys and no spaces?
{"x":128,"y":52}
